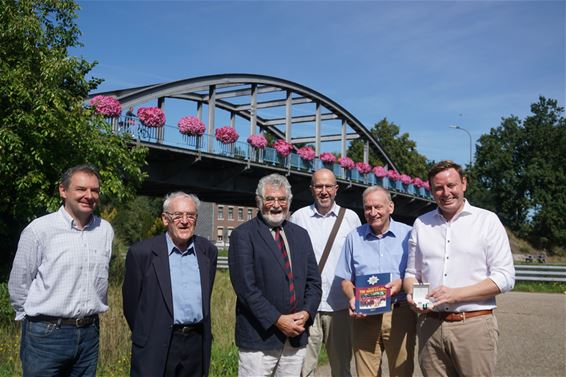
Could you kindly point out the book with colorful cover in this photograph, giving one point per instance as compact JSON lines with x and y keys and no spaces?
{"x":371,"y":295}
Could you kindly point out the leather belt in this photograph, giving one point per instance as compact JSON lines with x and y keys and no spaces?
{"x":77,"y":322}
{"x":185,"y":329}
{"x":458,"y":316}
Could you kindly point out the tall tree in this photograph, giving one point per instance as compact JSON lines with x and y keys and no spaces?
{"x":521,"y":176}
{"x":44,"y":126}
{"x":399,"y":147}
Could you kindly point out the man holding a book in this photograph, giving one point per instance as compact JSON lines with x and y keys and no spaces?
{"x":372,"y":268}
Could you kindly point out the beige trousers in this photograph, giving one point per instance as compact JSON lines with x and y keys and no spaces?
{"x":465,"y":348}
{"x":334,"y":330}
{"x":393,"y":333}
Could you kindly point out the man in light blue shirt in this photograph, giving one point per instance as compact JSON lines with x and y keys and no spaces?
{"x":59,"y":281}
{"x":380,"y":246}
{"x":167,"y":291}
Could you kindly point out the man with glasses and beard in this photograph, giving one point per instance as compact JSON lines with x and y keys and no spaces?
{"x":274,"y":272}
{"x":167,"y":291}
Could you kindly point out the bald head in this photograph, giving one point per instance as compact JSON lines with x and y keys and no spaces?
{"x":323,"y":189}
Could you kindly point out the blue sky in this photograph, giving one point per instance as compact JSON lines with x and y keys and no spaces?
{"x":422,"y":64}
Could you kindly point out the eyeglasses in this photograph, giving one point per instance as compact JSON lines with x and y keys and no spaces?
{"x":322,"y":187}
{"x":178,"y":216}
{"x":269,"y":200}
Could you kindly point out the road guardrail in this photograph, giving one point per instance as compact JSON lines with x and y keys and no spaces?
{"x":523,"y":272}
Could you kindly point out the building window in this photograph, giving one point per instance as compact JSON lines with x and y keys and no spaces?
{"x":229,"y":232}
{"x":240,"y":214}
{"x":220,"y":212}
{"x":250,"y":213}
{"x":230,"y":213}
{"x":220,"y":234}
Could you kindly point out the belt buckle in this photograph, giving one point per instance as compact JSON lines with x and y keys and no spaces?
{"x":82,"y":322}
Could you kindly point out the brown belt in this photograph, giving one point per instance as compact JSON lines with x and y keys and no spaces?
{"x":458,"y":316}
{"x":185,"y":329}
{"x":77,"y":322}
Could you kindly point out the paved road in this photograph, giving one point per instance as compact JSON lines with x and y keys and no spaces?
{"x":532,"y":339}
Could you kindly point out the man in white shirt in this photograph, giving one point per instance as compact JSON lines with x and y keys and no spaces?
{"x":463,"y":252}
{"x":59,"y":281}
{"x":332,"y":323}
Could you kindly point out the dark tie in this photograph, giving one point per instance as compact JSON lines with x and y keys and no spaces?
{"x":281,"y":245}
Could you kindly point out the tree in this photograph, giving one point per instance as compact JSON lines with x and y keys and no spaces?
{"x":44,"y":126}
{"x":400,"y":149}
{"x":520,"y":175}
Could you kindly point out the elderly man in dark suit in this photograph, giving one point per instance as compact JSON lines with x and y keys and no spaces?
{"x":274,"y":272}
{"x":167,"y":291}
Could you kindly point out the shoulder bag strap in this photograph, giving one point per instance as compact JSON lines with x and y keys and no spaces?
{"x":331,"y":239}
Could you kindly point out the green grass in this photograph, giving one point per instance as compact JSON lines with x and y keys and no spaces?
{"x":540,"y":287}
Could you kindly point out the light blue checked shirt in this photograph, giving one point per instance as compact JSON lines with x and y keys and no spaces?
{"x":60,"y":270}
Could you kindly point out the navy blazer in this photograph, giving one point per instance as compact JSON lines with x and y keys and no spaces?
{"x":258,"y":276}
{"x":148,"y":302}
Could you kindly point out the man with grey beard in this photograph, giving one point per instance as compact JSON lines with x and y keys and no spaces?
{"x":274,"y":272}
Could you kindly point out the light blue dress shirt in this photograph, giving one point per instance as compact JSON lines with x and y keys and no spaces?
{"x":185,"y":284}
{"x":365,"y":253}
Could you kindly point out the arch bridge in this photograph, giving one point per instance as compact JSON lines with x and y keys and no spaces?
{"x":252,"y":105}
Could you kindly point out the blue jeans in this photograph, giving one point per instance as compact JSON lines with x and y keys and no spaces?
{"x":48,"y":349}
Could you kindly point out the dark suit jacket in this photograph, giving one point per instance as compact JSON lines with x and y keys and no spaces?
{"x":258,"y":276}
{"x":148,"y":302}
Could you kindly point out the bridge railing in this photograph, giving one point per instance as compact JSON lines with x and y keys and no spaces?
{"x":243,"y":151}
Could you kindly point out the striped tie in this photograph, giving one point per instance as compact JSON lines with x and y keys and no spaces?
{"x":281,"y":245}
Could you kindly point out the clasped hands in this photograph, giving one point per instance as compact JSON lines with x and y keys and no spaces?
{"x":292,"y":324}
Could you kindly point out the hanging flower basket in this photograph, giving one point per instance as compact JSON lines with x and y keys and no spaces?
{"x":380,"y":171}
{"x":405,"y":179}
{"x":107,"y":106}
{"x":346,"y":163}
{"x":363,"y":167}
{"x":327,"y":158}
{"x":306,"y":153}
{"x":418,"y":182}
{"x":257,"y":141}
{"x":393,"y":175}
{"x":283,"y":148}
{"x":151,"y":116}
{"x":226,"y":135}
{"x":191,"y":126}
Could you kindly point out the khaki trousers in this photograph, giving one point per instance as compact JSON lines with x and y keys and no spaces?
{"x":334,"y":330}
{"x":393,"y":332}
{"x":464,"y":348}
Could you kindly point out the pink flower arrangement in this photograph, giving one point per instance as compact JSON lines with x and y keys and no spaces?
{"x":191,"y":125}
{"x":393,"y":175}
{"x":282,"y":147}
{"x":426,"y":185}
{"x":328,"y":158}
{"x":106,"y":105}
{"x":257,"y":141}
{"x":151,"y":116}
{"x":380,"y":172}
{"x":346,"y":163}
{"x":226,"y":135}
{"x":405,"y":179}
{"x":306,"y":153}
{"x":363,"y":167}
{"x":418,"y":182}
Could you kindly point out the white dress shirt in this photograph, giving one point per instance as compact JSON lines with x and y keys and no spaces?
{"x":468,"y":249}
{"x":319,"y":227}
{"x":60,"y":270}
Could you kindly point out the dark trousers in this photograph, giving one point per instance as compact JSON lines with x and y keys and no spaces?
{"x":184,"y":358}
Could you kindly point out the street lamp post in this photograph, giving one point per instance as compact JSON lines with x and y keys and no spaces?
{"x":469,"y":136}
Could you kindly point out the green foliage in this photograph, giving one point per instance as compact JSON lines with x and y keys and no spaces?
{"x":400,"y":149}
{"x":519,"y":174}
{"x":44,"y":126}
{"x":6,"y":311}
{"x":540,"y":287}
{"x":137,"y":219}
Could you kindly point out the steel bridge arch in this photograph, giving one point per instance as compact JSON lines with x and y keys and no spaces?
{"x":216,"y":90}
